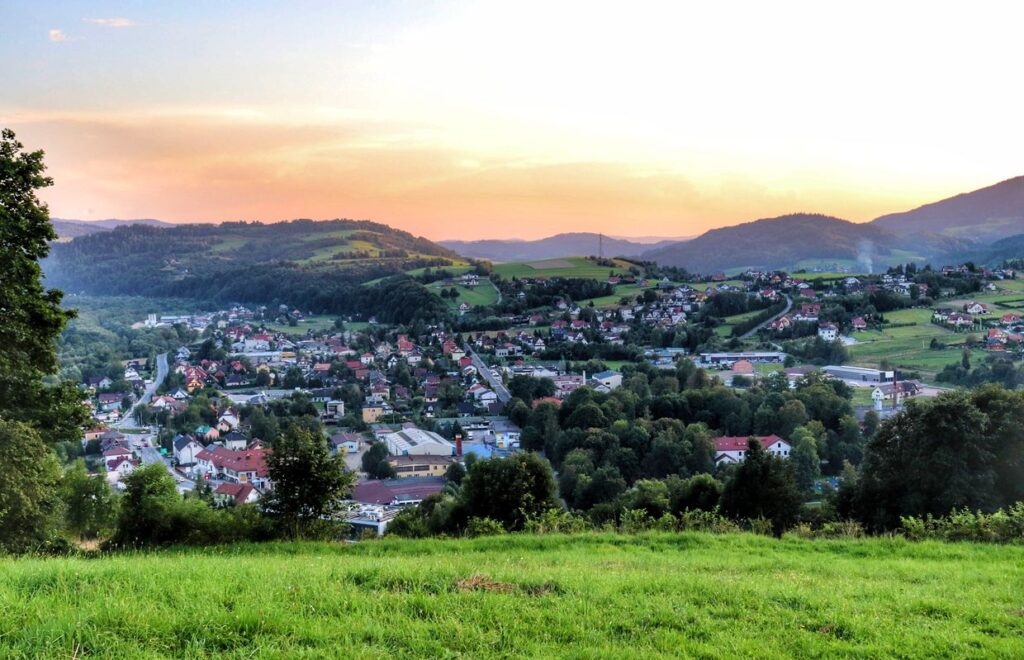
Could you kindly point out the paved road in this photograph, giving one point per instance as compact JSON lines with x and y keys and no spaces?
{"x":499,"y":388}
{"x":161,"y":374}
{"x":752,"y":332}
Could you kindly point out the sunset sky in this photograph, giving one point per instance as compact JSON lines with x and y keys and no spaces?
{"x":479,"y":119}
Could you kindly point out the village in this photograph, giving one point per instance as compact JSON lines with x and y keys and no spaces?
{"x":421,"y":403}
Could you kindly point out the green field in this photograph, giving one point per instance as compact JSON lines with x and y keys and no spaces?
{"x":481,"y":295}
{"x":585,"y":596}
{"x":565,"y":267}
{"x":315,"y":323}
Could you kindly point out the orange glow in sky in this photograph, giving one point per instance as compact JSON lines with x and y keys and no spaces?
{"x":486,"y":119}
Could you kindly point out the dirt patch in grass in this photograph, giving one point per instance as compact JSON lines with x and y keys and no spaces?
{"x":484,"y":583}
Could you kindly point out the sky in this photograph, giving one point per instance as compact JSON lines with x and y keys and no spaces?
{"x":467,"y":120}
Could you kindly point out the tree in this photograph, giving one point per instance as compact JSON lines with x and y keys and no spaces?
{"x":147,"y":509}
{"x":763,"y":486}
{"x":700,"y":492}
{"x":89,"y":502}
{"x":375,"y":462}
{"x":510,"y":490}
{"x":933,"y":457}
{"x":31,"y":317}
{"x":309,"y":482}
{"x":29,"y":487}
{"x":806,"y":464}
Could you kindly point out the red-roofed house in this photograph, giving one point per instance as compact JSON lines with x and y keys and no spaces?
{"x":236,"y":493}
{"x":733,"y":449}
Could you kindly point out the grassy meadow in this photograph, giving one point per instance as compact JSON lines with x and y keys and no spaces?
{"x":581,"y":267}
{"x":585,"y":596}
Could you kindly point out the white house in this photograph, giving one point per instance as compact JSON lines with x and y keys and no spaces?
{"x":610,"y":379}
{"x":186,"y":448}
{"x":828,"y":331}
{"x":119,"y":468}
{"x":733,"y":449}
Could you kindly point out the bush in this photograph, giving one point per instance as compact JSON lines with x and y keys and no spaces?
{"x":1002,"y":526}
{"x":484,"y":527}
{"x":556,"y":521}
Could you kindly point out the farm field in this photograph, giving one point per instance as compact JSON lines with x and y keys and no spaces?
{"x":590,"y":595}
{"x":566,"y":267}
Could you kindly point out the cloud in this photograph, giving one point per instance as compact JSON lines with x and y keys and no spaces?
{"x":57,"y":35}
{"x":111,"y":22}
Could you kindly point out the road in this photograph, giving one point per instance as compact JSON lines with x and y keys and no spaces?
{"x":496,"y":290}
{"x":147,"y":396}
{"x":499,"y":388}
{"x":752,"y":332}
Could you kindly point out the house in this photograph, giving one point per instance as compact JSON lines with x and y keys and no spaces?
{"x":186,"y":448}
{"x":859,"y":324}
{"x":119,"y":468}
{"x":228,"y":421}
{"x":976,"y":308}
{"x":207,"y":433}
{"x":828,"y":331}
{"x":420,"y":465}
{"x":111,"y":400}
{"x":334,"y":410}
{"x":235,"y":441}
{"x":116,"y":452}
{"x":417,"y":442}
{"x":236,"y":494}
{"x":733,"y":449}
{"x":373,"y":411}
{"x":346,"y":442}
{"x":506,"y":434}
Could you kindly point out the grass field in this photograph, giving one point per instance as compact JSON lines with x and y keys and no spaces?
{"x":567,"y":267}
{"x":480,"y":295}
{"x":656,"y":595}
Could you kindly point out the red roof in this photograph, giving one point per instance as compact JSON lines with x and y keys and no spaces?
{"x":739,"y":442}
{"x":238,"y":492}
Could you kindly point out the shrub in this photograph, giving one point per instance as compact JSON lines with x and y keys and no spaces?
{"x":484,"y":527}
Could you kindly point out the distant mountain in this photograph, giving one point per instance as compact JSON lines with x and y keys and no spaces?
{"x":552,"y":247}
{"x":779,"y":243}
{"x":68,"y":229}
{"x":982,"y":216}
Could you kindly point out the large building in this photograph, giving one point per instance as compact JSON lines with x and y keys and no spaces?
{"x":417,"y":442}
{"x":856,"y":375}
{"x":420,"y":466}
{"x":726,"y":359}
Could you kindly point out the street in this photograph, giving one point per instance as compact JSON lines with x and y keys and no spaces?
{"x":499,"y":388}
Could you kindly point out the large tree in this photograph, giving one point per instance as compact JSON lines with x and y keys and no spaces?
{"x":29,"y":478}
{"x":89,"y":502}
{"x":510,"y":490}
{"x":310,"y":484}
{"x":960,"y":449}
{"x":31,"y":317}
{"x":763,"y":486}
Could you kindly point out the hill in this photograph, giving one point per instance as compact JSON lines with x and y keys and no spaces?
{"x":591,"y":595}
{"x":552,"y":247}
{"x":69,"y":229}
{"x":780,"y":243}
{"x":300,"y":263}
{"x":983,"y":215}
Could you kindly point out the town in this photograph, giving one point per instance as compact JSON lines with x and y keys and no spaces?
{"x":404,"y":405}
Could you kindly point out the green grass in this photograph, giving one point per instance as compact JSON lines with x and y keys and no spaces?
{"x":608,"y":596}
{"x":568,"y":267}
{"x":316,"y":323}
{"x":482,"y":294}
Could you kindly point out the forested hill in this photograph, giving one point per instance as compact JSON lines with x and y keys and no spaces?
{"x":302,"y":263}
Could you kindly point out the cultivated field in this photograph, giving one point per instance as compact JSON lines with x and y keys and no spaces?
{"x":657,"y":595}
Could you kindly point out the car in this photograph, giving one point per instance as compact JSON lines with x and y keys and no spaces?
{"x":145,"y":443}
